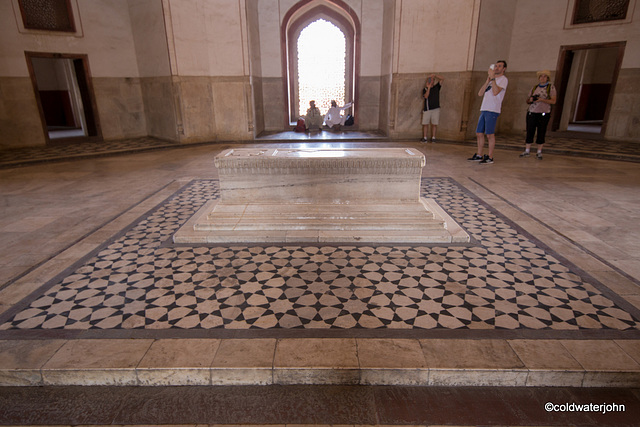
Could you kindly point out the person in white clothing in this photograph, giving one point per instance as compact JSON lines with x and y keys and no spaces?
{"x":492,"y":93}
{"x":313,"y":119}
{"x":334,"y":118}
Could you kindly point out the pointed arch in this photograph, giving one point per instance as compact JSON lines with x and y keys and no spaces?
{"x":321,"y":52}
{"x":299,"y":17}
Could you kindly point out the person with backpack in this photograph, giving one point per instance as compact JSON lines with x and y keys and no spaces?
{"x":541,"y":97}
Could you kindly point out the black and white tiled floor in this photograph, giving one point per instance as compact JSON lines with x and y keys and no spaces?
{"x":503,"y":282}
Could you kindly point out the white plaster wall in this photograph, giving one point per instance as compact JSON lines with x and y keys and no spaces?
{"x":536,"y":46}
{"x":495,"y":25}
{"x":370,"y":13}
{"x":208,"y":37}
{"x":106,"y":36}
{"x":372,"y":21}
{"x":269,"y":16}
{"x":434,"y":35}
{"x":12,"y":62}
{"x":147,"y":22}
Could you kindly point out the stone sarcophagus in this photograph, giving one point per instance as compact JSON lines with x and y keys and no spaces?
{"x":320,"y":195}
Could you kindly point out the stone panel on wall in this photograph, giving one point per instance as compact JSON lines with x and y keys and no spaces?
{"x":407,"y":105}
{"x":19,"y":116}
{"x":385,"y":102}
{"x":274,"y":104}
{"x":214,"y":108}
{"x":624,"y":119}
{"x":120,"y":107}
{"x":258,"y":103}
{"x":233,"y":115}
{"x":197,"y":121}
{"x":159,"y":106}
{"x":369,"y":100}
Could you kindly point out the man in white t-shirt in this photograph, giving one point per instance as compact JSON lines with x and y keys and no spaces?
{"x":492,"y":93}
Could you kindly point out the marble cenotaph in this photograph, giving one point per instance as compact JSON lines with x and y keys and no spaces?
{"x":320,"y":195}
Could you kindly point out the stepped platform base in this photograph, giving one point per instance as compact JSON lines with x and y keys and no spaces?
{"x":422,"y":222}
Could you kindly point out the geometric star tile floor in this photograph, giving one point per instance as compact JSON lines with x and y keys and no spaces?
{"x":503,"y":283}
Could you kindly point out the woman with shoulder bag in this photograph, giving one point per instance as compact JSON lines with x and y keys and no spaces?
{"x":540,"y":100}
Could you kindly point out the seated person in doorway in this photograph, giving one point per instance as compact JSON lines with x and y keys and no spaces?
{"x":313,"y":119}
{"x":334,"y":118}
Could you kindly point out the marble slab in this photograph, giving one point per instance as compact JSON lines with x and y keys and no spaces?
{"x":320,"y":195}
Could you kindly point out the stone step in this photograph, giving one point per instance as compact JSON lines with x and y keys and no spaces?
{"x":318,"y":222}
{"x":365,"y":361}
{"x":418,"y":222}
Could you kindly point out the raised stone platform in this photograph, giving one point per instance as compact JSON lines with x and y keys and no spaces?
{"x":320,"y":195}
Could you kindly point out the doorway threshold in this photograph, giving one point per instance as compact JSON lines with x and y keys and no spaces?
{"x":585,"y":127}
{"x":66,"y":133}
{"x":324,"y":136}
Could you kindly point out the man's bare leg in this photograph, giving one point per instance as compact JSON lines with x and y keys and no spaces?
{"x":480,"y":137}
{"x":492,"y":143}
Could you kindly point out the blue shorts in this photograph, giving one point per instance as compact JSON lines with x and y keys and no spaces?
{"x":487,"y":122}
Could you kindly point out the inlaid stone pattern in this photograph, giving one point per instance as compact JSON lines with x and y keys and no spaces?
{"x":501,"y":281}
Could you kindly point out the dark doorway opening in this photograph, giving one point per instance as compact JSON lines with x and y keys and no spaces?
{"x":62,"y":85}
{"x":586,"y":80}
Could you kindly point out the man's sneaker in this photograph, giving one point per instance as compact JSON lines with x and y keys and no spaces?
{"x":424,"y":140}
{"x":486,"y":160}
{"x":525,"y":154}
{"x":433,"y":139}
{"x":475,"y":158}
{"x":539,"y":156}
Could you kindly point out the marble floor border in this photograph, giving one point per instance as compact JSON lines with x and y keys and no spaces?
{"x":105,"y":224}
{"x":346,"y":361}
{"x":585,"y":275}
{"x":558,"y":233}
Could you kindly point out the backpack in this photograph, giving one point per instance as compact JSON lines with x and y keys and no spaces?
{"x":300,"y":127}
{"x":349,"y":121}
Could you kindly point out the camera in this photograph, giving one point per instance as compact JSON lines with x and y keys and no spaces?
{"x":492,"y":66}
{"x":535,"y":97}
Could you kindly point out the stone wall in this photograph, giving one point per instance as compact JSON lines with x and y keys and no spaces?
{"x":120,"y":107}
{"x":273,"y":104}
{"x":206,"y":71}
{"x":213,"y":108}
{"x":455,"y":100}
{"x":20,"y":124}
{"x":624,"y":121}
{"x":160,"y":107}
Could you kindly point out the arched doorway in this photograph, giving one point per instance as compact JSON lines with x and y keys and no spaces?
{"x":300,"y":25}
{"x":321,"y":71}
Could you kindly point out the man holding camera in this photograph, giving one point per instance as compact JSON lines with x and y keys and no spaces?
{"x":492,"y":93}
